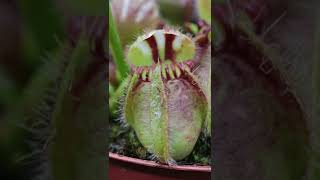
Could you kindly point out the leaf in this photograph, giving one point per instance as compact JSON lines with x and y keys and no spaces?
{"x":116,"y":48}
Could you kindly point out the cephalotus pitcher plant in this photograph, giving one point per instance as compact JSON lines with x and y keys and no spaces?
{"x":167,"y":93}
{"x":165,"y":102}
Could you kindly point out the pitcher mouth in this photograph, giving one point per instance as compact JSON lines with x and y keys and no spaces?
{"x":169,"y":71}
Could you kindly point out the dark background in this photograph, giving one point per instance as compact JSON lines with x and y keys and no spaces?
{"x":30,"y":28}
{"x":265,"y":124}
{"x":29,"y":31}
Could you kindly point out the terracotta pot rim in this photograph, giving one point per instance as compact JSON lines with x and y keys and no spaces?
{"x":141,"y":162}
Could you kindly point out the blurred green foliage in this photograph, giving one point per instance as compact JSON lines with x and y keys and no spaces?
{"x":116,"y":48}
{"x":175,"y":12}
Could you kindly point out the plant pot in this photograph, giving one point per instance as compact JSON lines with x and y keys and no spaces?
{"x":123,"y":167}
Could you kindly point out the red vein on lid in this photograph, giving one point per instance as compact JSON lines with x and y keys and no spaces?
{"x":154,"y":48}
{"x":169,"y":53}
